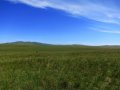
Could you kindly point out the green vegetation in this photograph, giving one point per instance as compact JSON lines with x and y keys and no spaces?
{"x":47,"y":67}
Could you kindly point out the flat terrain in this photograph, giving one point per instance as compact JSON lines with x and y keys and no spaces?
{"x":47,"y":67}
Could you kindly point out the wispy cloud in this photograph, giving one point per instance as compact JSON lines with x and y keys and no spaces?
{"x":99,"y":10}
{"x":106,"y":30}
{"x":110,"y":31}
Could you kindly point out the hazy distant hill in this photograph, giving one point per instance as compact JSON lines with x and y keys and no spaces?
{"x":73,"y":45}
{"x":27,"y":43}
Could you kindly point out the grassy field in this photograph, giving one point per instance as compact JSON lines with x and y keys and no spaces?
{"x":34,"y":67}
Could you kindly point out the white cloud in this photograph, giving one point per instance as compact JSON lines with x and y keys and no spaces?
{"x":99,"y":10}
{"x":106,"y":31}
{"x":111,"y":31}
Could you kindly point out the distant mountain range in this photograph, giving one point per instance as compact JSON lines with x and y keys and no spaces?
{"x":38,"y":43}
{"x":27,"y":43}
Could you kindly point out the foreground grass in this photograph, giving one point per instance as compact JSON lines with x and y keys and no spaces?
{"x":32,"y":67}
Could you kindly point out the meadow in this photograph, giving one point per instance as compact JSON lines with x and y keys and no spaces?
{"x":52,"y":67}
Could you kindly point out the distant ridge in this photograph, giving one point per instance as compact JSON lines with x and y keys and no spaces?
{"x":39,"y":43}
{"x":26,"y":43}
{"x":111,"y":46}
{"x":45,"y":44}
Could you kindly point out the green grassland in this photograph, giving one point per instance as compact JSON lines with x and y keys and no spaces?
{"x":50,"y":67}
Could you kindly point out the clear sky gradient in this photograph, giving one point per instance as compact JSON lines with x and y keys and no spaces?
{"x":89,"y":22}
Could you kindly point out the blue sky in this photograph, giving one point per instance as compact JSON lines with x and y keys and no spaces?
{"x":90,"y":22}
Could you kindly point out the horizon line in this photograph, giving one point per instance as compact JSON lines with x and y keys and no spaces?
{"x":77,"y":44}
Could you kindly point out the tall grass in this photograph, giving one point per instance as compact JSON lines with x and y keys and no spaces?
{"x":34,"y":67}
